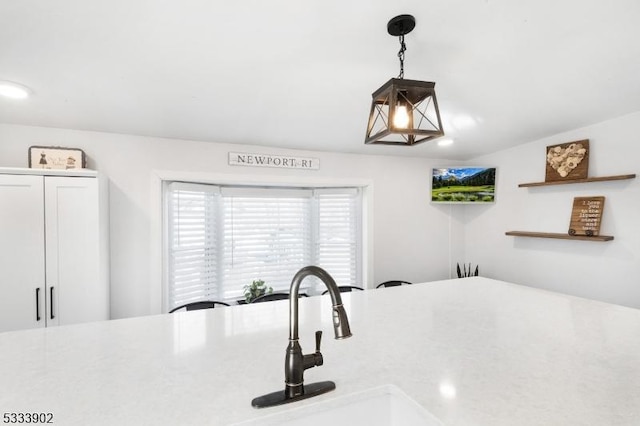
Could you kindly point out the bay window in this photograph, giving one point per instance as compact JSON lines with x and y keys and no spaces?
{"x":220,"y":238}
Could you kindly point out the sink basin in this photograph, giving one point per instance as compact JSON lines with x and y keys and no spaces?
{"x":381,"y":406}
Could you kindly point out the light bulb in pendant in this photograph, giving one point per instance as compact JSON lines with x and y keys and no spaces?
{"x":401,"y":117}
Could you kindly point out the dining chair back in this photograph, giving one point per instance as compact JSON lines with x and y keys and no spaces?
{"x":346,"y":289}
{"x":274,"y":296}
{"x":202,"y":304}
{"x":393,"y":283}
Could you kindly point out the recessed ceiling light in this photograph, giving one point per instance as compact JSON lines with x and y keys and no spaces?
{"x":13,"y":90}
{"x":445,"y":142}
{"x":448,"y":390}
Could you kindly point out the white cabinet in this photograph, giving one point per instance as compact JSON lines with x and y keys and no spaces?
{"x":22,"y":267}
{"x":53,"y":249}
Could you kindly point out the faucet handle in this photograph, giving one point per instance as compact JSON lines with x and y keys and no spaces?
{"x":318,"y":340}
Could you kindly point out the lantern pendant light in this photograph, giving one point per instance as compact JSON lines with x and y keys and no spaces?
{"x":403,"y":112}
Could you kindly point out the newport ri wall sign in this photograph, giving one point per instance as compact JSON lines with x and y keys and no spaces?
{"x":277,"y":161}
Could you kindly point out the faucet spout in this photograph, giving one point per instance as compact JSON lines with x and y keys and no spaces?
{"x":340,"y":320}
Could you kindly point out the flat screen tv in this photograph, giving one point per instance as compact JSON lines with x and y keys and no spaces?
{"x":463,"y":185}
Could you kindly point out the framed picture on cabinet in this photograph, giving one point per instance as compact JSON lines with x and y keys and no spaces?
{"x":56,"y":157}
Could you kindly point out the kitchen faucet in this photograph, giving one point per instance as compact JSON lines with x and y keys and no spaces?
{"x":295,"y":362}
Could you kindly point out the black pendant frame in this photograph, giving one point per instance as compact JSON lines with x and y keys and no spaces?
{"x":424,"y":116}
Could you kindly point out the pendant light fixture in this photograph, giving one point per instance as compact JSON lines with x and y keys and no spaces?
{"x":403,"y":112}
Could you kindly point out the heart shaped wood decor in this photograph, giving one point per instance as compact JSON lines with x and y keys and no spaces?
{"x":567,"y":161}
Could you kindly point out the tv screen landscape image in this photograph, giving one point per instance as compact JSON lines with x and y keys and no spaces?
{"x":468,"y":185}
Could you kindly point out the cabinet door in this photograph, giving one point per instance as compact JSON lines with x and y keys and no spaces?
{"x":74,"y":288}
{"x":22,"y":265}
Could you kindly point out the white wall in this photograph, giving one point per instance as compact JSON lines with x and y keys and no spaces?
{"x":411,"y":237}
{"x":607,"y":271}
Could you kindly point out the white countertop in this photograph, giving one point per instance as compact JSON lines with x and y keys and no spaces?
{"x":472,"y":351}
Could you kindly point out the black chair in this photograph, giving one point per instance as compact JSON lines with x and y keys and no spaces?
{"x":194,"y":306}
{"x":269,"y":297}
{"x":345,"y":289}
{"x":274,"y":296}
{"x":393,"y":283}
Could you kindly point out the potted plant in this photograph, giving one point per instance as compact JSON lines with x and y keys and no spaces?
{"x":256,"y":289}
{"x":467,"y":273}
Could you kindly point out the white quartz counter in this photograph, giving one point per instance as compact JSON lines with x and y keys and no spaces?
{"x":472,"y":351}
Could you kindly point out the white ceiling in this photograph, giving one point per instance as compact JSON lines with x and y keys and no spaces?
{"x":299,"y":74}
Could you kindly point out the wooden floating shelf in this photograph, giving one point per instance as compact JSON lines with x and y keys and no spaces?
{"x":591,"y":179}
{"x":559,"y":236}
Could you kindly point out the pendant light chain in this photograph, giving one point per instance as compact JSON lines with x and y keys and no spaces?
{"x":403,"y":48}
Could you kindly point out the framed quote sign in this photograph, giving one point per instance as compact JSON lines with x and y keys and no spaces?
{"x":586,"y":216}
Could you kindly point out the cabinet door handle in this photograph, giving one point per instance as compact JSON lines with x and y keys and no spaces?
{"x":51,"y":302}
{"x":38,"y":304}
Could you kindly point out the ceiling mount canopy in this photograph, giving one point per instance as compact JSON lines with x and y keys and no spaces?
{"x":403,"y":112}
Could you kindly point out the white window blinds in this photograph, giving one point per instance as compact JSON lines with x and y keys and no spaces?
{"x":267,"y":233}
{"x":192,"y":242}
{"x":337,"y":244}
{"x":221,"y":238}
